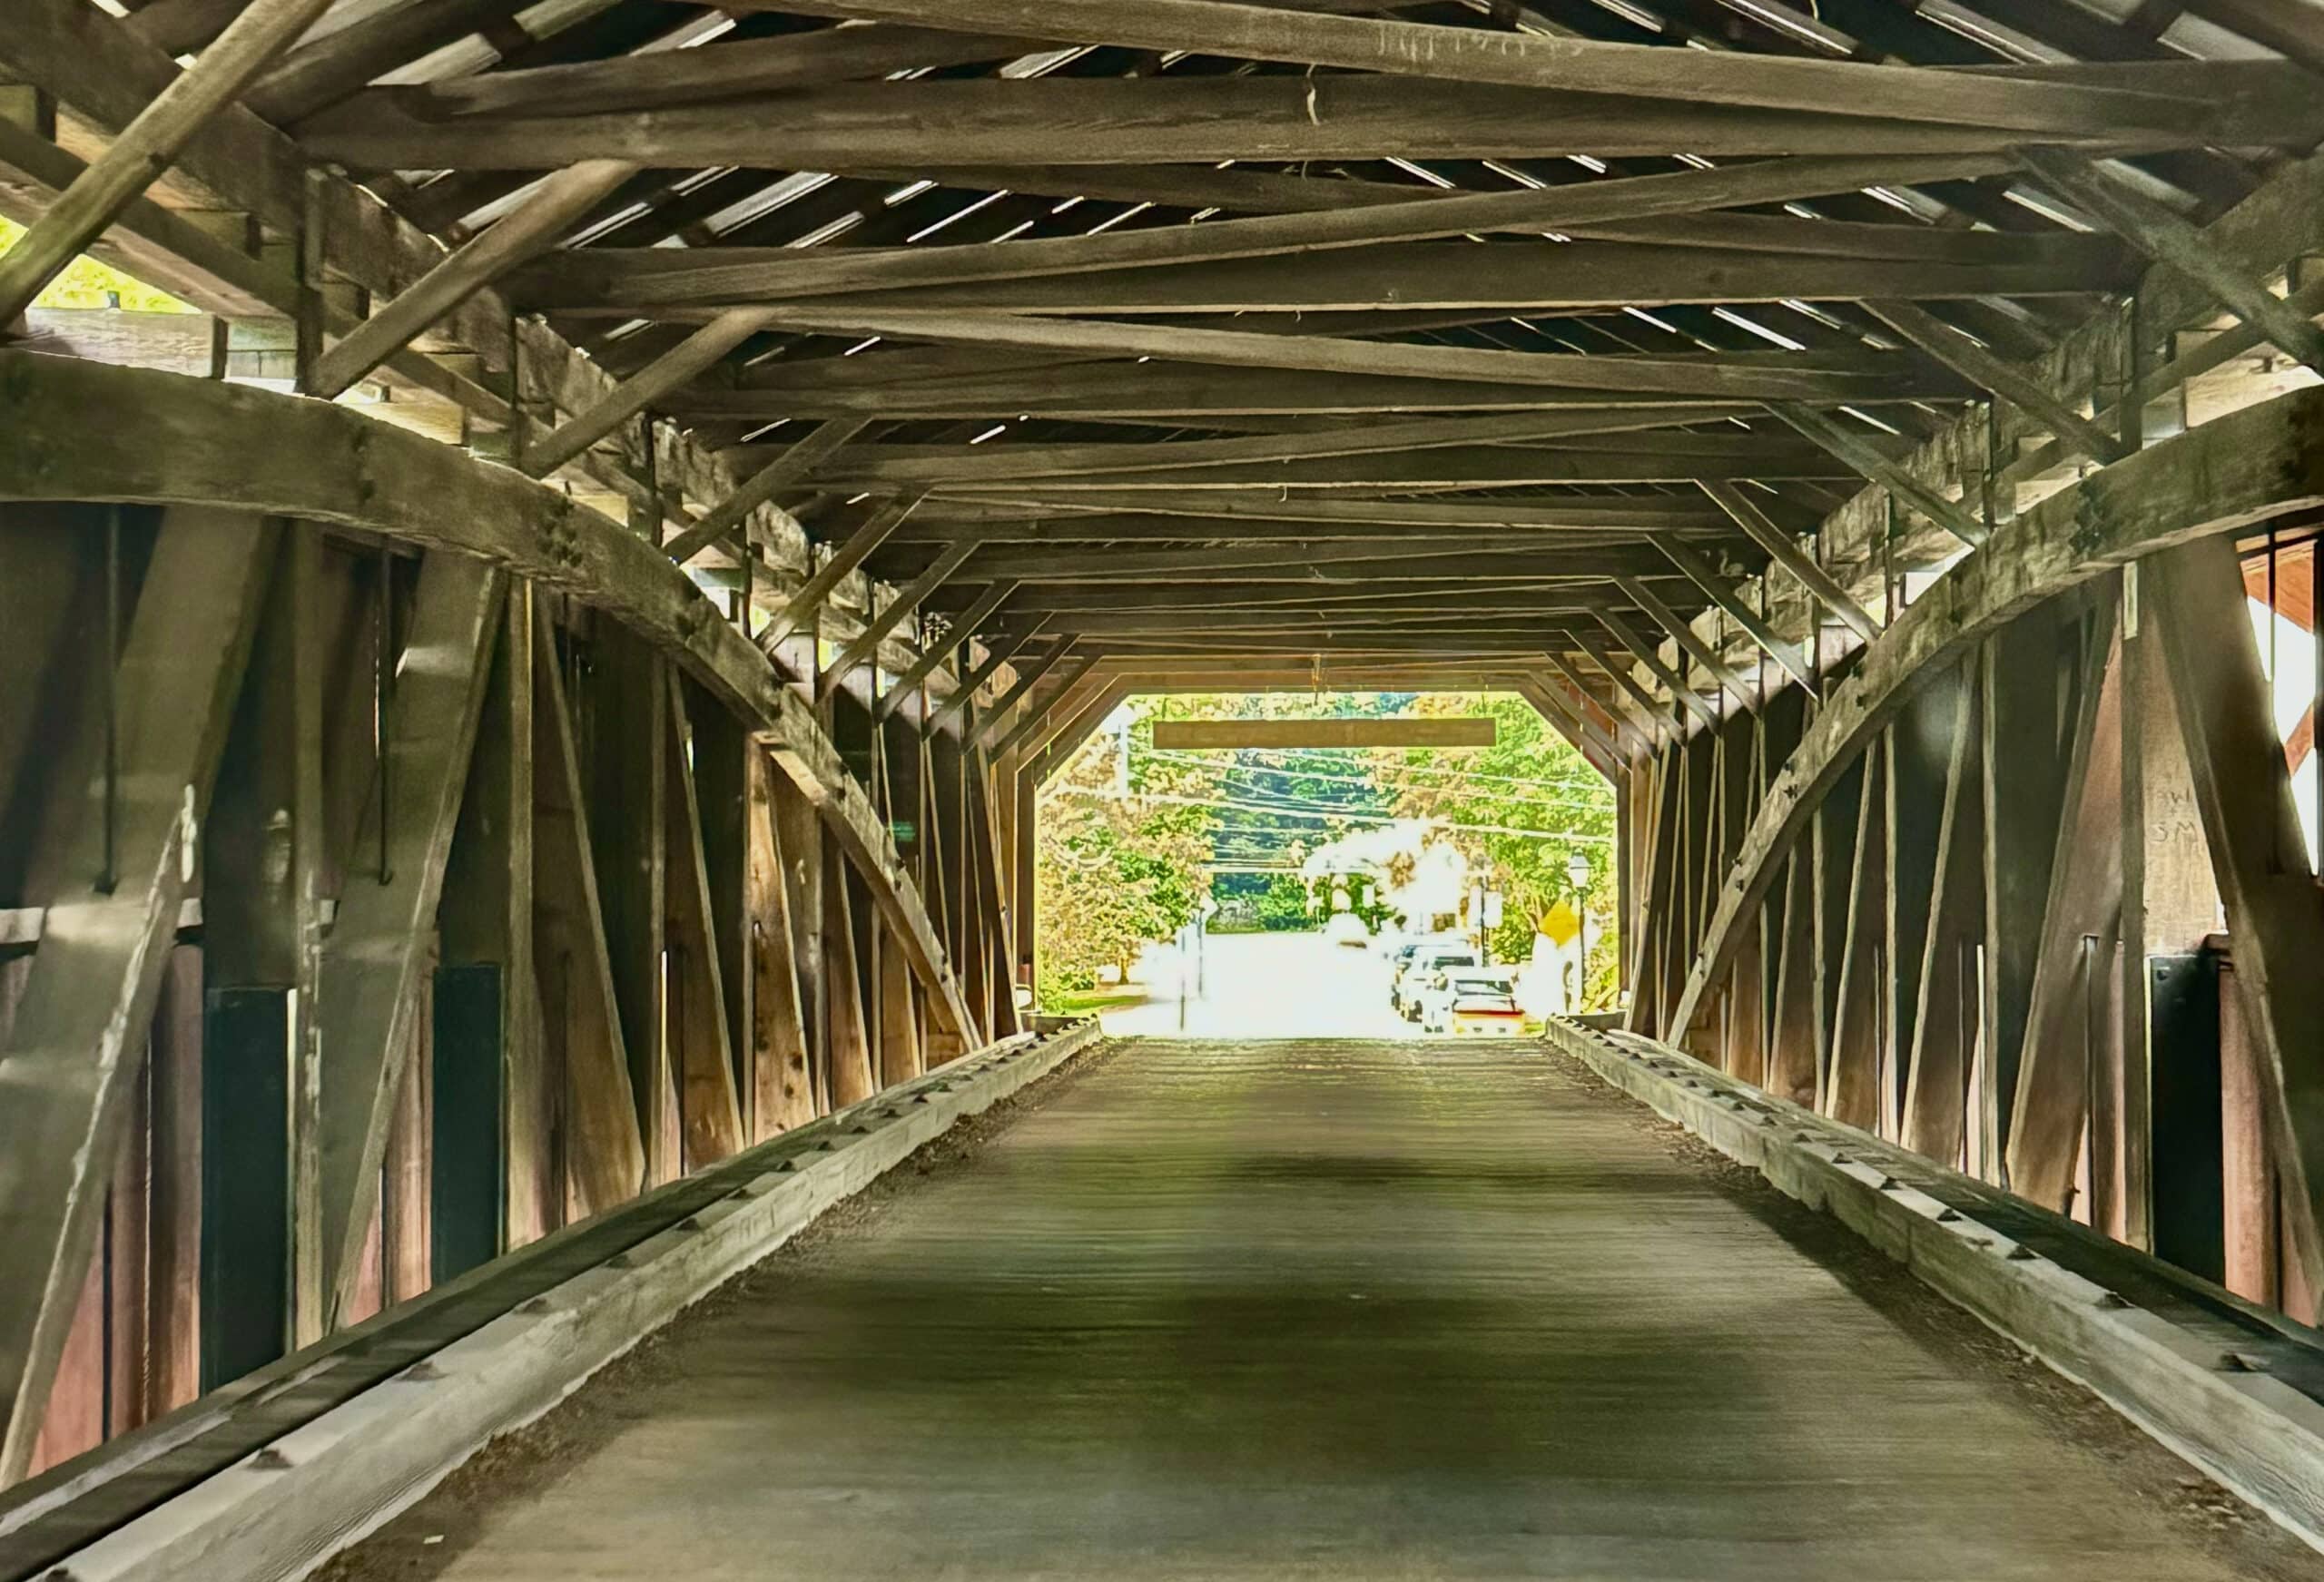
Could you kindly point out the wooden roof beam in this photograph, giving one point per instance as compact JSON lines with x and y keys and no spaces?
{"x":1479,"y":56}
{"x":147,"y":146}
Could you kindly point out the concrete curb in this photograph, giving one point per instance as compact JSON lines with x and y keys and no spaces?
{"x":323,"y":1486}
{"x":2215,"y":1407}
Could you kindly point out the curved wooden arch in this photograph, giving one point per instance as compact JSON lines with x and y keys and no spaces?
{"x":2266,"y":460}
{"x":200,"y":442}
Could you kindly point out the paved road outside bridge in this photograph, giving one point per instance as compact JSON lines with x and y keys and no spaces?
{"x":1266,"y":985}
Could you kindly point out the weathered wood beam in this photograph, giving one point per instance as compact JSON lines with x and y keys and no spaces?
{"x":534,"y":226}
{"x":780,"y":1053}
{"x":1785,"y":551}
{"x":78,"y":1033}
{"x":935,"y":651}
{"x":1859,"y":452}
{"x":842,"y":560}
{"x":727,"y":68}
{"x":1774,"y":377}
{"x":381,"y":940}
{"x":1567,"y":718}
{"x":1099,"y":122}
{"x":2054,"y":1091}
{"x":147,"y":147}
{"x":998,"y":653}
{"x":702,"y":1045}
{"x":2168,"y":239}
{"x":1632,"y":638}
{"x":1036,"y":711}
{"x":1593,"y":512}
{"x":1955,"y":348}
{"x":1567,"y":65}
{"x":329,"y":463}
{"x":2244,"y":795}
{"x":1728,"y":598}
{"x":604,"y":1151}
{"x":1011,"y":462}
{"x":879,"y":621}
{"x":1667,"y":458}
{"x":1683,"y":634}
{"x":796,"y":460}
{"x":1028,"y":678}
{"x":2244,"y":467}
{"x":1175,"y":394}
{"x":339,"y":63}
{"x":1426,"y":218}
{"x":1405,"y":278}
{"x":674,"y":369}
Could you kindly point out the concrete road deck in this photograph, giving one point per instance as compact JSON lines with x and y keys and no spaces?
{"x":1333,"y":1310}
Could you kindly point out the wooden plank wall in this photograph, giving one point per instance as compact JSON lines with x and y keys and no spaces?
{"x":2016,"y":957}
{"x":702,"y":970}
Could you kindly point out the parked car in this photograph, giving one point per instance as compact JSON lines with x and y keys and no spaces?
{"x":1426,"y":962}
{"x":1475,"y":1004}
{"x":1346,"y":928}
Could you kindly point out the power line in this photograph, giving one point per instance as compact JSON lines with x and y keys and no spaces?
{"x":1178,"y":757}
{"x":1310,"y":811}
{"x":1369,"y":780}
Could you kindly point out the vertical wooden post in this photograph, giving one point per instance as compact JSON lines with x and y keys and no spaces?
{"x":626,"y":755}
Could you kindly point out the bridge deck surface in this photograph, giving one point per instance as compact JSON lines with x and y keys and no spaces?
{"x":1331,"y":1309}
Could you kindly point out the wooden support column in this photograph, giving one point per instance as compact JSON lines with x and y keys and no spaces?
{"x":800,"y":843}
{"x":262,"y":1268}
{"x":1921,"y":751}
{"x":1833,"y":850}
{"x":2073,"y":965}
{"x":1793,"y":1039}
{"x":854,"y":1076}
{"x":79,"y":1029}
{"x":1853,"y":1066}
{"x":701,"y":1046}
{"x":382,"y":935}
{"x":2027,"y":702}
{"x":2169,"y":909}
{"x":601,"y":1150}
{"x":492,"y":1161}
{"x":781,"y":1056}
{"x":2275,"y":912}
{"x":626,"y":766}
{"x":1942,"y":1042}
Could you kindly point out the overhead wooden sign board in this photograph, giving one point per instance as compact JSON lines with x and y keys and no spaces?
{"x":1476,"y":730}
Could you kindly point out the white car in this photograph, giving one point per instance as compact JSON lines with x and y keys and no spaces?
{"x":1426,"y":962}
{"x":1346,"y":928}
{"x":1479,"y":1001}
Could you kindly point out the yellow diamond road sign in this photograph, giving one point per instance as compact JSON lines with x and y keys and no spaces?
{"x":1560,"y":923}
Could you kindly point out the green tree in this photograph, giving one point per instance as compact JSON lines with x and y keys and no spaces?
{"x":1518,"y":811}
{"x":1123,"y":857}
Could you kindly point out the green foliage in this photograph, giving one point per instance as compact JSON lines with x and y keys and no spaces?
{"x":1128,"y":839}
{"x":1285,"y":906}
{"x":1531,"y":780}
{"x":86,"y":283}
{"x":1123,"y":858}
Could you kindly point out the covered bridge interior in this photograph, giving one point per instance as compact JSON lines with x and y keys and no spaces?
{"x":526,"y":674}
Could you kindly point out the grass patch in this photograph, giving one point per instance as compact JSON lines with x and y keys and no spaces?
{"x":1089,"y":1002}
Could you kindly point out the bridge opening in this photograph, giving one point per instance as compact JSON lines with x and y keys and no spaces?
{"x":1283,"y":888}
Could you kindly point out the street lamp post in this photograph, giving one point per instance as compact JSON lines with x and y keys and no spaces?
{"x":1577,"y":872}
